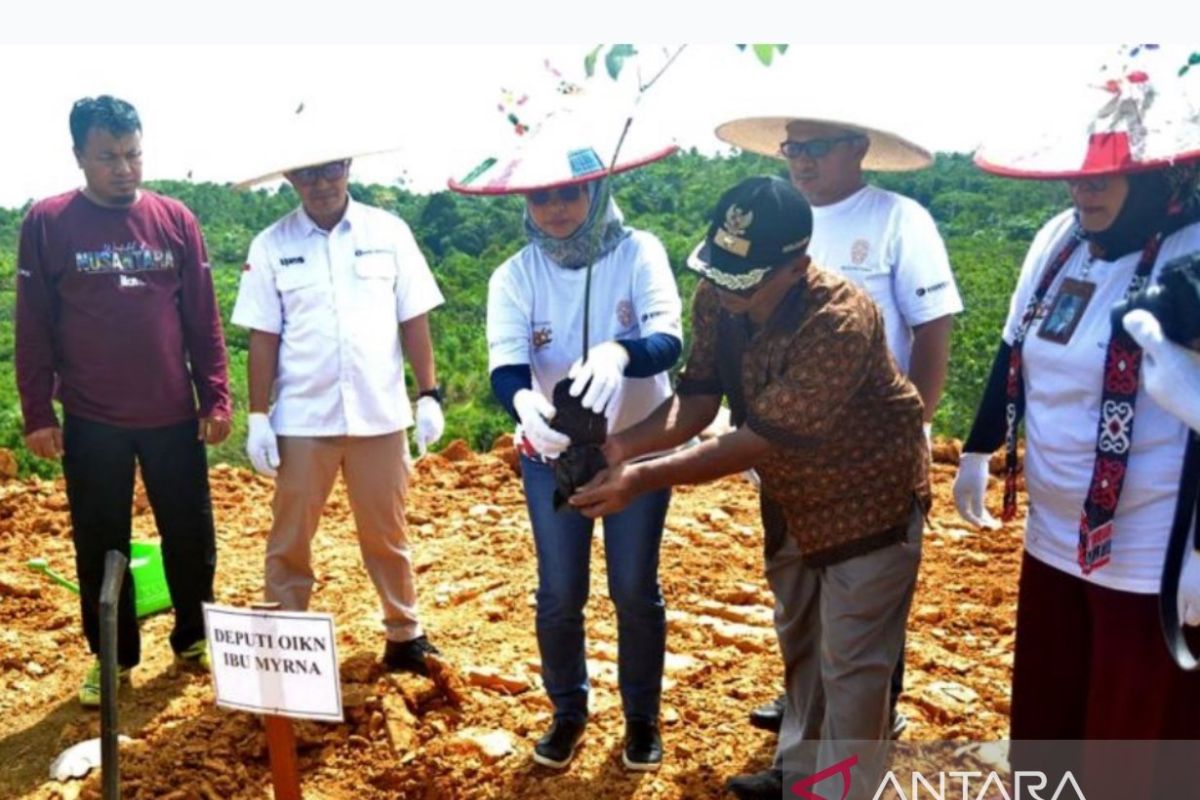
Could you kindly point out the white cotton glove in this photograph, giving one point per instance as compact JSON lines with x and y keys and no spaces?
{"x":970,"y":490}
{"x":605,"y":368}
{"x":1189,"y":589}
{"x":261,"y":445}
{"x":431,"y":423}
{"x":1170,"y":372}
{"x":536,"y":412}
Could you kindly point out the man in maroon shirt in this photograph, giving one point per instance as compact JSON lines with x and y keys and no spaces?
{"x":116,"y":317}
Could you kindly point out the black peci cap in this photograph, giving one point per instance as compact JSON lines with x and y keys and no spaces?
{"x":758,"y":225}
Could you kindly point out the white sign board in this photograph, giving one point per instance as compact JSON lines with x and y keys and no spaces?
{"x":274,"y":662}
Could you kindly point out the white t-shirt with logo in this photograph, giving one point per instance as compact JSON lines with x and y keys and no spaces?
{"x":535,"y":317}
{"x":337,"y":299}
{"x":888,"y":245}
{"x":1063,"y":388}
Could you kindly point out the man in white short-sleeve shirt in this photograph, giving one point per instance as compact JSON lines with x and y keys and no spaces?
{"x":336,"y":296}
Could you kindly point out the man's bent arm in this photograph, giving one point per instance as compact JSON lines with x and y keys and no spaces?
{"x":725,"y":455}
{"x":676,"y":420}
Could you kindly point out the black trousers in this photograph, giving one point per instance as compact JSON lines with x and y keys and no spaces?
{"x":98,"y":464}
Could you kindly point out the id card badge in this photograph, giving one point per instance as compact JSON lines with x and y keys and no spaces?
{"x":1096,"y":548}
{"x":1069,"y":307}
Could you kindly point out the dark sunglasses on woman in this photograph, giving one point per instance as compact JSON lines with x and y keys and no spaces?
{"x":564,"y":194}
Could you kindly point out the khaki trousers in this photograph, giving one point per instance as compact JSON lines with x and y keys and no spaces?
{"x":375,"y":469}
{"x":840,"y":629}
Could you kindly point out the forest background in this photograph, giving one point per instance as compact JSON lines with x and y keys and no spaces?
{"x":987,"y":224}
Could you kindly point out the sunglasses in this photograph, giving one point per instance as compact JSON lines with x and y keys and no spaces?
{"x":564,"y":194}
{"x":1094,"y":184}
{"x":334,"y":170}
{"x":814,"y":148}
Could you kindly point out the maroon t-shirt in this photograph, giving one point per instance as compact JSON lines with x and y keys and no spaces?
{"x":115,"y":310}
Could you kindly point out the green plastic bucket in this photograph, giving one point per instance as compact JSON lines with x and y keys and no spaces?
{"x":150,"y":593}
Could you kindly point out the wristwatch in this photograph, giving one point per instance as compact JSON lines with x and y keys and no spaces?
{"x":435,"y":393}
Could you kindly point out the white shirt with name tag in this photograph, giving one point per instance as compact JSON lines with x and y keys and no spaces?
{"x":888,"y":245}
{"x":1064,"y":387}
{"x":337,"y":299}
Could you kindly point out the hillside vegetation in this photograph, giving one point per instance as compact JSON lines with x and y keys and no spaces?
{"x":987,"y":223}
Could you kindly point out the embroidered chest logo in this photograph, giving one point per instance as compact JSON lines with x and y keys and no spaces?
{"x":859,"y":251}
{"x":124,"y":259}
{"x":542,"y":337}
{"x":290,"y":260}
{"x":626,"y":315}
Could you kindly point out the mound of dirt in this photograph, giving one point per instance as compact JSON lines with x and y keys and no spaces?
{"x":469,"y":733}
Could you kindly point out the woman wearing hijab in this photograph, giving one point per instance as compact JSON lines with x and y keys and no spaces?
{"x":536,"y":314}
{"x":1105,"y":443}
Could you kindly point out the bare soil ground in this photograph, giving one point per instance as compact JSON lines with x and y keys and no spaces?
{"x":403,"y":736}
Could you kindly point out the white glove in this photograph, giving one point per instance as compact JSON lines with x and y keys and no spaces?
{"x":431,"y":423}
{"x":1170,"y":372}
{"x":970,"y":490}
{"x":605,"y":368}
{"x":1189,"y":589}
{"x":536,"y":412}
{"x":261,"y":444}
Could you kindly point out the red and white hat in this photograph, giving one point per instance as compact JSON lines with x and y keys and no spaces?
{"x":567,"y":148}
{"x":1141,"y":119}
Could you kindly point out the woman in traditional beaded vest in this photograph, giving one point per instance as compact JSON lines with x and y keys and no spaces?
{"x":1105,"y":439}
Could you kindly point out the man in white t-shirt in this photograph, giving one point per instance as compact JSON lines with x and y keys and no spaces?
{"x":336,"y":296}
{"x":884,"y":242}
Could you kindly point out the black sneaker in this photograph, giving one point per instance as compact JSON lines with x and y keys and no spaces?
{"x":769,"y":716}
{"x":765,"y":785}
{"x":557,"y":747}
{"x":643,"y":746}
{"x":409,"y":656}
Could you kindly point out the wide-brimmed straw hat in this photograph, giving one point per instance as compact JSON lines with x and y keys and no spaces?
{"x":888,"y":152}
{"x":567,"y":148}
{"x":308,"y":137}
{"x":309,"y":159}
{"x":1135,"y":118}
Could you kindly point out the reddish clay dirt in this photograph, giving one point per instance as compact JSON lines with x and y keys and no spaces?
{"x":404,"y":736}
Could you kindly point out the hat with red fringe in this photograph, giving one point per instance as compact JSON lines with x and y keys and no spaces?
{"x":1142,"y":119}
{"x":567,"y":148}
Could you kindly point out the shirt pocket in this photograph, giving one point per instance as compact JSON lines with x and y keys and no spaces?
{"x":304,"y":298}
{"x":375,"y":284}
{"x":375,"y":266}
{"x":295,"y":280}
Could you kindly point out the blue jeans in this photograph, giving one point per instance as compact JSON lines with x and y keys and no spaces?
{"x":631,"y":542}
